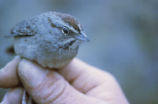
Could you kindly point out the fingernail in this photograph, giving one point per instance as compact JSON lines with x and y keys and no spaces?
{"x":30,"y":74}
{"x":14,"y":61}
{"x":17,"y":58}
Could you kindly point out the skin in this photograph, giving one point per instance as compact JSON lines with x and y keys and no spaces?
{"x":77,"y":83}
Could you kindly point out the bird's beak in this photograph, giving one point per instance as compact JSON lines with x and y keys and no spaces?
{"x":82,"y":37}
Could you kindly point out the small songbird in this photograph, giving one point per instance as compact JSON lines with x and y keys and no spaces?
{"x":51,"y":39}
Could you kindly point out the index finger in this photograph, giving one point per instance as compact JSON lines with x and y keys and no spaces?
{"x":83,"y":76}
{"x":93,"y":81}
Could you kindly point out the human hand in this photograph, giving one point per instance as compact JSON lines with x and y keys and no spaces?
{"x":77,"y":83}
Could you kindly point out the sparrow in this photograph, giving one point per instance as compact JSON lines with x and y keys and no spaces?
{"x":51,"y":39}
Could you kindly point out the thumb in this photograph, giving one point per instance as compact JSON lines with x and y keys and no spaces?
{"x":49,"y":87}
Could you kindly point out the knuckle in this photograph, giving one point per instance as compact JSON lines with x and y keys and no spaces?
{"x":52,"y":91}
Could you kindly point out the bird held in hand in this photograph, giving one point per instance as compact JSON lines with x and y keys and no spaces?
{"x":51,"y":39}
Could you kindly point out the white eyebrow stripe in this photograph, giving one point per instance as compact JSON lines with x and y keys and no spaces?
{"x":60,"y":23}
{"x":72,"y":29}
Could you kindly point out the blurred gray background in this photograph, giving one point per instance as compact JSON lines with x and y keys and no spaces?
{"x":123,"y":33}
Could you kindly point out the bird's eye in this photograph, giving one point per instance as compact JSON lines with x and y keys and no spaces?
{"x":65,"y":30}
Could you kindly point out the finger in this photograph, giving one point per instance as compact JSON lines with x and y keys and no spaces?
{"x":83,"y":76}
{"x":8,"y":74}
{"x":93,"y":82}
{"x":13,"y":96}
{"x":49,"y":87}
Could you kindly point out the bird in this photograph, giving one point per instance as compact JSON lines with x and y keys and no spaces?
{"x":51,"y":39}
